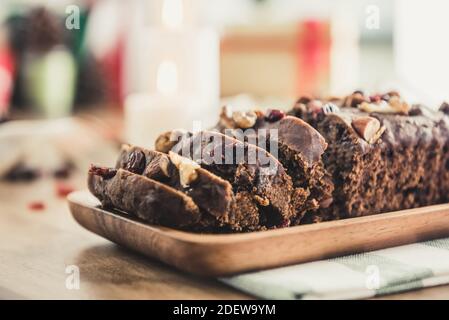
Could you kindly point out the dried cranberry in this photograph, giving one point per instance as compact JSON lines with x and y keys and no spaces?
{"x":135,"y":162}
{"x":284,"y":224}
{"x":36,"y":206}
{"x":274,"y":115}
{"x":106,"y":173}
{"x":375,"y":98}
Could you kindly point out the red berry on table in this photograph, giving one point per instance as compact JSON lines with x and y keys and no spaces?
{"x":36,"y":206}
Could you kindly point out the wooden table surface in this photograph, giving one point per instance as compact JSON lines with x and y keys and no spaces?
{"x":36,"y":247}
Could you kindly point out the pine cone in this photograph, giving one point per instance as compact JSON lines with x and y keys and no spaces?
{"x":43,"y":31}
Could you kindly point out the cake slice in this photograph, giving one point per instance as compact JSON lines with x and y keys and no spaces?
{"x":252,"y":172}
{"x":298,"y":146}
{"x":143,"y":197}
{"x":213,"y":195}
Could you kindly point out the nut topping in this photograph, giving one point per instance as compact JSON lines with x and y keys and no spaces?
{"x":394,"y":105}
{"x":244,"y":120}
{"x":164,"y":165}
{"x":167,"y":140}
{"x":368,"y":128}
{"x":163,"y":143}
{"x":381,"y":107}
{"x":187,"y":168}
{"x":354,"y":99}
{"x":377,"y":135}
{"x":399,"y":105}
{"x":226,"y":118}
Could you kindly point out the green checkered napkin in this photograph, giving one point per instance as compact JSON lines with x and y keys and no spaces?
{"x":355,"y":276}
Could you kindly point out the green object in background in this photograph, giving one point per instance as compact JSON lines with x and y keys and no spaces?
{"x":50,"y":81}
{"x":79,"y":45}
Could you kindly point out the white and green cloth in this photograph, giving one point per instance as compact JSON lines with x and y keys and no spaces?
{"x":355,"y":276}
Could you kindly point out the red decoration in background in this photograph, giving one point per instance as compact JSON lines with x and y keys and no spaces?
{"x":313,"y":56}
{"x":112,"y":64}
{"x":62,"y":189}
{"x":7,"y":69}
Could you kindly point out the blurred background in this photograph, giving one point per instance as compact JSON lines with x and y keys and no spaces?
{"x":78,"y":74}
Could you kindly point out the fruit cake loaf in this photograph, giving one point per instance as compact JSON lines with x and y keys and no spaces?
{"x":383,"y":154}
{"x":298,"y":146}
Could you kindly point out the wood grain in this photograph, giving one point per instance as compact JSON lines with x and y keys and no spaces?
{"x":218,"y":255}
{"x":36,"y":247}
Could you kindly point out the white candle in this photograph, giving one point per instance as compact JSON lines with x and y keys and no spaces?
{"x":194,"y":51}
{"x":147,"y":116}
{"x":172,"y":76}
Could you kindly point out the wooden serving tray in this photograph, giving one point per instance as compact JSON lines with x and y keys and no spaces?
{"x":226,"y":254}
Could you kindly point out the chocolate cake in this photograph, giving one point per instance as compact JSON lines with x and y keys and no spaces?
{"x":220,"y":206}
{"x":297,"y":145}
{"x":250,"y":170}
{"x":324,"y":160}
{"x":143,"y":197}
{"x":383,"y":154}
